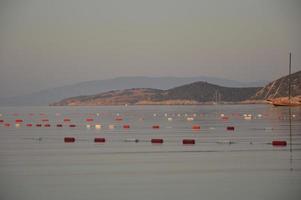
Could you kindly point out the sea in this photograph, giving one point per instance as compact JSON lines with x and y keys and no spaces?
{"x":230,"y":152}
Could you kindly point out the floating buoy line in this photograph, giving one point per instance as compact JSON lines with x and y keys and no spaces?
{"x":161,"y":141}
{"x":121,"y":122}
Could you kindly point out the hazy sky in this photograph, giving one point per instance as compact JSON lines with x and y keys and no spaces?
{"x":47,"y":43}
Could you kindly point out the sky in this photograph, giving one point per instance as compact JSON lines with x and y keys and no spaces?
{"x":45,"y":43}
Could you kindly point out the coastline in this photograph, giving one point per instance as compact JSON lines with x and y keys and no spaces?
{"x":166,"y":103}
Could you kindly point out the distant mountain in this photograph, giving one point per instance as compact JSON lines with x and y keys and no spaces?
{"x":279,"y":88}
{"x":98,"y":86}
{"x":194,"y":93}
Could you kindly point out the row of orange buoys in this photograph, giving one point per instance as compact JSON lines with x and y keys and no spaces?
{"x":100,"y":126}
{"x":277,"y":143}
{"x":153,"y":140}
{"x":118,"y":117}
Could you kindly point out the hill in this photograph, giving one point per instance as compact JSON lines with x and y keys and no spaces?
{"x":98,"y":86}
{"x":194,"y":93}
{"x":279,"y":88}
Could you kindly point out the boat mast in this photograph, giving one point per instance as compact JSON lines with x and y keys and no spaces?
{"x":289,"y":77}
{"x":217,"y":96}
{"x":290,"y":111}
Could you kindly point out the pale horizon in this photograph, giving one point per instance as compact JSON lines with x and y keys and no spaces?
{"x":49,"y":44}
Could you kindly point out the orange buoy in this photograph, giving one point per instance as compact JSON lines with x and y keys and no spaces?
{"x":118,"y":118}
{"x":47,"y":125}
{"x":230,"y":128}
{"x":99,"y":140}
{"x":156,"y":126}
{"x":72,"y":125}
{"x":196,"y":127}
{"x":69,"y":139}
{"x":279,"y":143}
{"x":126,"y":126}
{"x":157,"y":141}
{"x":188,"y":141}
{"x":59,"y":125}
{"x":225,"y":118}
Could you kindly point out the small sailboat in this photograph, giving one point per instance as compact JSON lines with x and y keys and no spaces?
{"x":285,"y":101}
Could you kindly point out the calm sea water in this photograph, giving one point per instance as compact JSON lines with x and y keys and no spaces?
{"x":36,"y":164}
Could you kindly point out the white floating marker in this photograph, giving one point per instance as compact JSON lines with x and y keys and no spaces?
{"x":131,"y":140}
{"x":248,"y":117}
{"x":190,"y":118}
{"x":97,"y":126}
